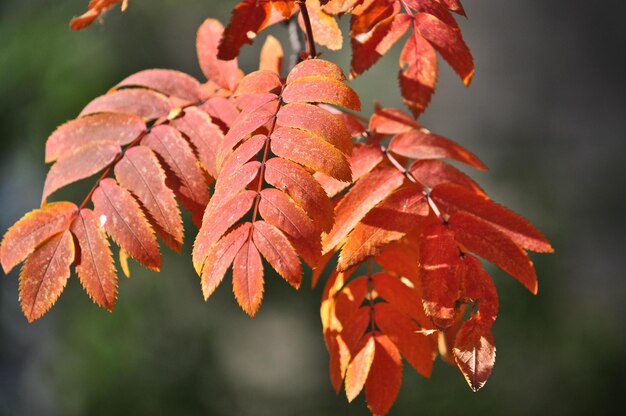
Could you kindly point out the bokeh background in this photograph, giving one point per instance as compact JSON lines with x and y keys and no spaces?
{"x":546,"y":112}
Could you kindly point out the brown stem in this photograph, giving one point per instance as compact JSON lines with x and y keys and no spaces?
{"x":310,"y":41}
{"x":370,"y":294}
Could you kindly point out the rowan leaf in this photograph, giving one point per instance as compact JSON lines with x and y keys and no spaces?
{"x":248,"y":278}
{"x":83,"y":163}
{"x":205,"y":136}
{"x":418,"y":73}
{"x":359,"y":367}
{"x":140,"y":102}
{"x":139,"y":172}
{"x":96,"y":8}
{"x":362,"y":197}
{"x":492,"y":244}
{"x":321,"y":89}
{"x":172,"y":83}
{"x":475,"y":353}
{"x":401,"y":296}
{"x":315,"y":68}
{"x":184,"y":176}
{"x":226,"y":74}
{"x":418,"y":349}
{"x":248,"y":18}
{"x":433,"y":172}
{"x":391,"y":121}
{"x":108,"y":127}
{"x":420,"y":144}
{"x":385,"y":376}
{"x":221,"y":256}
{"x":479,"y":287}
{"x":94,"y":265}
{"x":454,"y":198}
{"x":32,"y":230}
{"x":278,"y":252}
{"x":271,"y":55}
{"x":125,"y":222}
{"x":45,"y":275}
{"x":326,"y":31}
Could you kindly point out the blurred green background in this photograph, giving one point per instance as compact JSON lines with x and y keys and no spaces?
{"x":546,"y":112}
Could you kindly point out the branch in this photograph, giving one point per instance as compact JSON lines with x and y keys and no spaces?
{"x":309,"y":30}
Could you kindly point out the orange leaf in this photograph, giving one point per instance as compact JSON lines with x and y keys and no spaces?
{"x":139,"y":172}
{"x":303,"y":188}
{"x":140,"y":102}
{"x":318,"y":122}
{"x":391,"y":121}
{"x":94,"y":266}
{"x":475,"y":353}
{"x":490,"y":243}
{"x":419,"y":144}
{"x":248,"y":18}
{"x":279,"y":210}
{"x":326,"y":31}
{"x":418,"y":73}
{"x":232,"y":182}
{"x":111,"y":127}
{"x":217,"y":221}
{"x":226,"y":74}
{"x":271,"y":55}
{"x":321,"y":89}
{"x":221,"y":256}
{"x":402,"y":297}
{"x":184,"y":176}
{"x":435,"y":172}
{"x":310,"y":151}
{"x":316,"y":68}
{"x":45,"y":274}
{"x":385,"y":376}
{"x":479,"y":287}
{"x":360,"y":366}
{"x":454,"y":198}
{"x":362,"y":197}
{"x":167,"y":81}
{"x":418,"y":349}
{"x":96,"y":8}
{"x":32,"y":230}
{"x":83,"y":163}
{"x":248,"y":278}
{"x":125,"y":222}
{"x":440,"y":281}
{"x":258,"y":82}
{"x":278,"y":252}
{"x":205,"y":136}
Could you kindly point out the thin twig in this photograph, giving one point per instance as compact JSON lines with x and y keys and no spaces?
{"x":309,"y":29}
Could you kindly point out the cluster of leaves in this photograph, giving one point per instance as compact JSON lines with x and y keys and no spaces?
{"x":283,"y":169}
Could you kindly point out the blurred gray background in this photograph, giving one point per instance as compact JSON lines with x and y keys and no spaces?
{"x":546,"y":112}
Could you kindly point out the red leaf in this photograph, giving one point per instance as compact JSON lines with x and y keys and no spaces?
{"x":96,"y":8}
{"x":440,"y":281}
{"x":435,"y":172}
{"x":402,"y":297}
{"x":453,"y":198}
{"x":140,"y":102}
{"x":479,"y":287}
{"x":84,"y":162}
{"x":94,"y":266}
{"x":32,"y":230}
{"x":248,"y":278}
{"x":167,"y":81}
{"x":248,"y":18}
{"x":448,"y":42}
{"x":139,"y":172}
{"x":326,"y":31}
{"x":391,"y":121}
{"x":418,"y":73}
{"x":217,"y":221}
{"x":362,"y":197}
{"x":232,"y":182}
{"x":126,"y":224}
{"x":419,"y":144}
{"x":315,"y":68}
{"x":490,"y":243}
{"x":303,"y":188}
{"x":320,"y":89}
{"x":475,"y":353}
{"x":385,"y":377}
{"x":279,"y":210}
{"x":259,"y":82}
{"x":311,"y":151}
{"x":368,"y":48}
{"x":278,"y":252}
{"x":360,"y":366}
{"x":226,"y":74}
{"x":184,"y":176}
{"x":418,"y":349}
{"x":317,"y":121}
{"x":45,"y":274}
{"x":205,"y":136}
{"x":111,"y":127}
{"x":221,"y":256}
